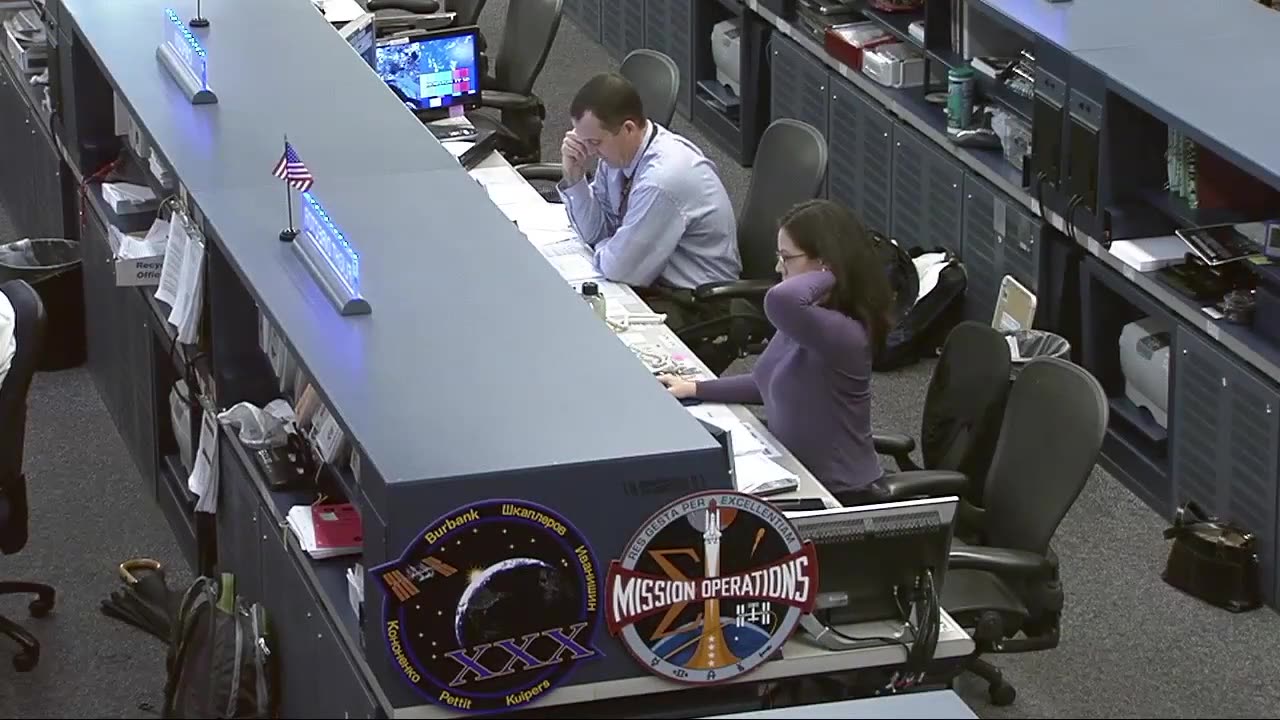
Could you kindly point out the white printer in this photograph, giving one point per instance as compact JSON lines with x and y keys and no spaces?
{"x":726,"y":42}
{"x":1144,"y":360}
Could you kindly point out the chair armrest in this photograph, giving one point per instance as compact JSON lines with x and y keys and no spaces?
{"x":417,"y":7}
{"x":1004,"y":562}
{"x":898,"y":447}
{"x":924,"y":483}
{"x":552,"y":172}
{"x":745,"y":289}
{"x":503,"y":100}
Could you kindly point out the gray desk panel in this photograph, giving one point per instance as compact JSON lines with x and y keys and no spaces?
{"x":1095,"y":24}
{"x":1220,"y":98}
{"x":277,"y":67}
{"x":460,"y":368}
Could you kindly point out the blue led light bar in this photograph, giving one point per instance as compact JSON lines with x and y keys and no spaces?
{"x":186,"y":59}
{"x":334,"y":262}
{"x":331,"y":243}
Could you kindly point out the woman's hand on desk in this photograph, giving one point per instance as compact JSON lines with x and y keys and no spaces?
{"x":682,"y":389}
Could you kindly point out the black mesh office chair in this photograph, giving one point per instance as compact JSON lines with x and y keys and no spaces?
{"x":963,"y":409}
{"x":790,"y":166}
{"x":1003,"y":586}
{"x":656,"y":78}
{"x":527,"y":36}
{"x":29,"y":331}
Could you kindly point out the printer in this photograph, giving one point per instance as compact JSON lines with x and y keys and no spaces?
{"x":726,"y":44}
{"x":1144,"y":361}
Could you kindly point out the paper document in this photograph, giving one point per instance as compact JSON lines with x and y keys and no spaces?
{"x":497,"y":176}
{"x":513,"y":194}
{"x":457,"y":147}
{"x":745,"y":441}
{"x":575,"y":268}
{"x":174,"y":254}
{"x":543,"y":216}
{"x":543,"y":238}
{"x":756,"y":471}
{"x":190,"y":296}
{"x":204,"y":476}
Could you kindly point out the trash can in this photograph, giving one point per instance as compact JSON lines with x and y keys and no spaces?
{"x":1027,"y":345}
{"x":52,"y":267}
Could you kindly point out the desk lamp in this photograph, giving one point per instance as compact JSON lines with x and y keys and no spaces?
{"x":199,"y":21}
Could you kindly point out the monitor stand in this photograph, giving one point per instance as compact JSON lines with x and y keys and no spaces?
{"x":827,"y":638}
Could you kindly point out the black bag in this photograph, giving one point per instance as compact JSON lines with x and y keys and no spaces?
{"x":922,"y":325}
{"x":1214,"y":561}
{"x":219,"y":659}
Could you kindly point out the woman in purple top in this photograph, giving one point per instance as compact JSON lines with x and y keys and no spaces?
{"x":831,"y":314}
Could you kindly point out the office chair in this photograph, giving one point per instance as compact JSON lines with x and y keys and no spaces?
{"x":29,"y":331}
{"x":963,"y":409}
{"x":1003,"y":587}
{"x":790,"y":166}
{"x":656,"y":78}
{"x":527,"y":36}
{"x":404,"y":17}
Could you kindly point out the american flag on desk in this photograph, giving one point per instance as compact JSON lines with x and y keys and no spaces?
{"x":292,"y":170}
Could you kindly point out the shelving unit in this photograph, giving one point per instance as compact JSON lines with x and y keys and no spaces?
{"x":738,"y":129}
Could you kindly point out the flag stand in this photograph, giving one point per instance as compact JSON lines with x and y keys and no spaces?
{"x":288,"y":234}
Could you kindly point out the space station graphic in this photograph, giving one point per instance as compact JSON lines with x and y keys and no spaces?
{"x":711,"y":587}
{"x":491,"y":606}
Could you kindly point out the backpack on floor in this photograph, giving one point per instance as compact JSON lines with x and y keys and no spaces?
{"x":922,"y":322}
{"x":219,"y":663}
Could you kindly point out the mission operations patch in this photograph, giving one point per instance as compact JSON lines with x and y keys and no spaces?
{"x":710,"y":587}
{"x":491,"y":606}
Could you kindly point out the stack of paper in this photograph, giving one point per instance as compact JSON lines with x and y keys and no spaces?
{"x":754,"y":470}
{"x":572,"y":260}
{"x":126,"y":198}
{"x":182,"y":278}
{"x":326,"y":531}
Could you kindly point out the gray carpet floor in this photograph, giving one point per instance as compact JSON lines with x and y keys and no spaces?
{"x":1131,"y":646}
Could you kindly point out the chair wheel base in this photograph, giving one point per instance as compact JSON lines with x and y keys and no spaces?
{"x":25,"y":660}
{"x":1002,"y":694}
{"x":40,"y":607}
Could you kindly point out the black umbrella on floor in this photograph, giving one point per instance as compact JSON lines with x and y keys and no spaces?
{"x":145,"y":600}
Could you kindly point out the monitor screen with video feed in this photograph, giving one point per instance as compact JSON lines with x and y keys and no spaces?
{"x":436,"y":71}
{"x":867,"y":551}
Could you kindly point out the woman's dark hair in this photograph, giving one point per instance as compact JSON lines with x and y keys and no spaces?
{"x":827,"y":231}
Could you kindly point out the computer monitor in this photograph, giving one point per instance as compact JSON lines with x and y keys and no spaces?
{"x":867,"y":553}
{"x":362,"y":36}
{"x":435,"y":71}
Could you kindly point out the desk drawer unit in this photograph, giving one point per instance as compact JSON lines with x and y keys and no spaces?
{"x":928,"y":194}
{"x":1225,"y":426}
{"x":624,"y":30}
{"x":799,"y":84}
{"x":668,"y":28}
{"x":860,"y":157}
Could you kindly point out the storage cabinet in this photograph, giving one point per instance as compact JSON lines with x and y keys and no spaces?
{"x":668,"y":28}
{"x":316,"y":675}
{"x":799,"y":84}
{"x":586,"y":15}
{"x":999,"y":239}
{"x":1226,"y":422}
{"x":624,"y":30}
{"x":860,"y":155}
{"x":119,"y":347}
{"x":31,"y":173}
{"x":928,"y":194}
{"x":239,"y":535}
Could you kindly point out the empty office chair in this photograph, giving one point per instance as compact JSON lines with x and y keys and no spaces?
{"x":403,"y":17}
{"x":527,"y":36}
{"x":790,"y":166}
{"x":29,"y":331}
{"x":656,"y":78}
{"x":963,"y":408}
{"x":1004,"y":587}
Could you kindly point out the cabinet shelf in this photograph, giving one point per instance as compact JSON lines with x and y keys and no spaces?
{"x":1177,"y":210}
{"x":896,"y":24}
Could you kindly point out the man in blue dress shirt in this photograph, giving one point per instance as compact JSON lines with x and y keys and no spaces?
{"x":656,"y":212}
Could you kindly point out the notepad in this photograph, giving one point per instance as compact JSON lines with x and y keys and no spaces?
{"x":326,"y":531}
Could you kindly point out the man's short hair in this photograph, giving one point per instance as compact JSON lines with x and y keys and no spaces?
{"x":611,"y":98}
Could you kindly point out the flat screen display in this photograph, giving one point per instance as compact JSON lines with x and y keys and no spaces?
{"x":432,"y":72}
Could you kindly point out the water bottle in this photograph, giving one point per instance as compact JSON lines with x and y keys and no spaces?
{"x":959,"y":98}
{"x":591,"y":293}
